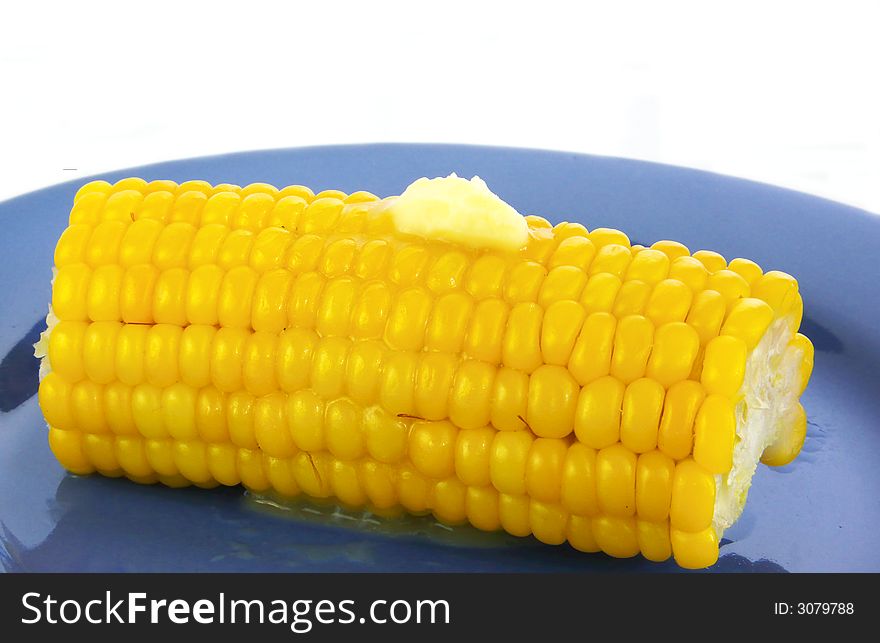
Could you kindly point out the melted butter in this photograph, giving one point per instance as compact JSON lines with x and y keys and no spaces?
{"x":402,"y":525}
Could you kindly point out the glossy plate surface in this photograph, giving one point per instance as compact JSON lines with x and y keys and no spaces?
{"x":820,"y":513}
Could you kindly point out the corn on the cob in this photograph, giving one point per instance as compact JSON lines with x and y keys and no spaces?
{"x":578,"y":388}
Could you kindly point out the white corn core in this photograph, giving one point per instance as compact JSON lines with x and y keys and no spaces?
{"x":766,"y":409}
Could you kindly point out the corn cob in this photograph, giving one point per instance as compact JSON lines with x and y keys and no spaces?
{"x":575,"y":386}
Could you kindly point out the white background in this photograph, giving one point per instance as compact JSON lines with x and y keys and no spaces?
{"x":782,"y":92}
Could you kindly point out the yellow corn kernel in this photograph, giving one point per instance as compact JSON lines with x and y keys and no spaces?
{"x":513,"y":513}
{"x":472,"y":456}
{"x":712,"y":260}
{"x":631,"y":299}
{"x":386,"y":435}
{"x":690,"y":272}
{"x":748,"y":319}
{"x":617,"y":536}
{"x":675,"y":436}
{"x":270,"y":249}
{"x":342,"y":427}
{"x":235,"y":249}
{"x":693,"y":497}
{"x":253,"y":211}
{"x":123,"y":199}
{"x":804,"y":347}
{"x":672,"y":249}
{"x":131,"y":343}
{"x":137,"y":294}
{"x":66,"y":349}
{"x":161,"y":351}
{"x":654,"y":540}
{"x":654,"y":484}
{"x":146,"y":407}
{"x":240,"y":419}
{"x":790,"y":440}
{"x":447,"y":272}
{"x":562,"y":283}
{"x":71,"y":247}
{"x":579,"y":533}
{"x":171,"y":249}
{"x":613,"y":259}
{"x":293,"y":358}
{"x":470,"y":399}
{"x":104,"y":243}
{"x":221,"y":464}
{"x":211,"y":422}
{"x":54,"y":396}
{"x":258,"y":370}
{"x":67,"y":446}
{"x":729,"y":284}
{"x":591,"y":354}
{"x":334,"y":311}
{"x":434,"y":379}
{"x":632,"y":346}
{"x":640,"y":417}
{"x":597,"y":418}
{"x":100,"y":450}
{"x":521,"y":347}
{"x":715,"y":434}
{"x":482,"y":507}
{"x":748,"y":270}
{"x":178,"y":411}
{"x":70,"y":292}
{"x":408,"y":319}
{"x":548,"y":522}
{"x":413,"y":489}
{"x":706,"y":314}
{"x":486,"y":338}
{"x":545,"y":468}
{"x":87,"y":209}
{"x":724,"y":365}
{"x":552,"y":401}
{"x":169,"y":297}
{"x":408,"y":265}
{"x":379,"y":484}
{"x":117,"y":409}
{"x":574,"y":251}
{"x":432,"y":448}
{"x":602,"y":237}
{"x":99,"y":350}
{"x":778,"y":289}
{"x":202,"y":290}
{"x":397,"y":382}
{"x":449,"y":502}
{"x":650,"y":266}
{"x":524,"y":282}
{"x":449,"y":322}
{"x":561,"y":326}
{"x":695,"y":550}
{"x":485,"y":277}
{"x":670,"y":301}
{"x":508,"y":461}
{"x":227,"y":356}
{"x":600,"y":293}
{"x":578,"y":484}
{"x":252,"y":469}
{"x":236,"y":296}
{"x":271,"y":427}
{"x":675,"y":349}
{"x":509,"y":399}
{"x":616,"y":480}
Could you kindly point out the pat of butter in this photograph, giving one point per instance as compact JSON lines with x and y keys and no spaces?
{"x":459,"y":211}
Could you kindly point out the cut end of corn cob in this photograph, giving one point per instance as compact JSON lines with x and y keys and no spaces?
{"x":433,"y":353}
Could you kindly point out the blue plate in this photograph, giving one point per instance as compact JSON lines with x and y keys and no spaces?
{"x":818,"y":514}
